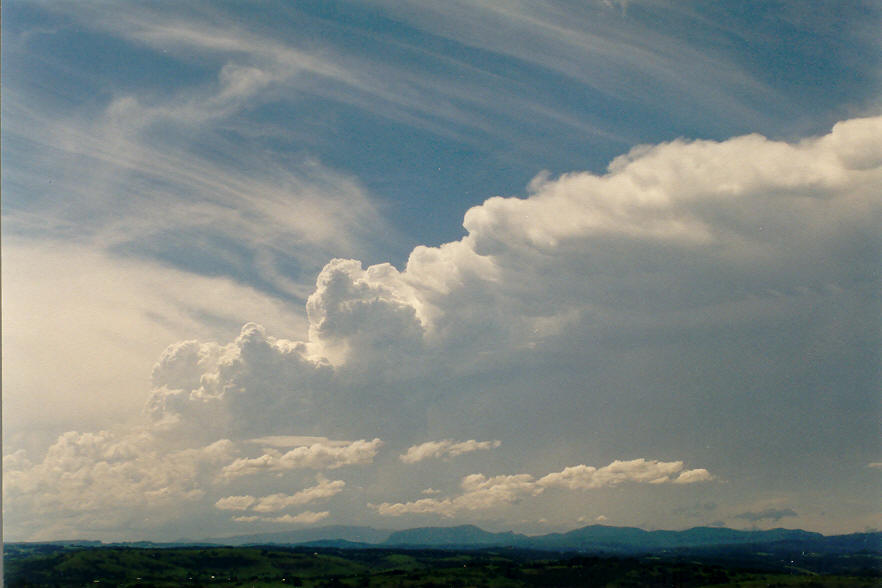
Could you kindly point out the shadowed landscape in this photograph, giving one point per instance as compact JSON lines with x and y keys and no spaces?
{"x":463,"y":556}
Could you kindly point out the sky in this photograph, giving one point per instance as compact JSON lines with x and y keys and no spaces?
{"x":525,"y":265}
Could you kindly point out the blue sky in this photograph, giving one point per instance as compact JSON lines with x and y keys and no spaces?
{"x":608,"y":261}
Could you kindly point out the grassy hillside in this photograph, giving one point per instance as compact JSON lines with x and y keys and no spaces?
{"x":55,"y":565}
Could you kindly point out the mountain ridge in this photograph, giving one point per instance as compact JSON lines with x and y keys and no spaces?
{"x":592,"y":538}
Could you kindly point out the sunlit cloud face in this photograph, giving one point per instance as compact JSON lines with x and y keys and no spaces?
{"x":295,"y":271}
{"x":445,"y":448}
{"x":316,"y":456}
{"x":275,"y":502}
{"x":481,"y":492}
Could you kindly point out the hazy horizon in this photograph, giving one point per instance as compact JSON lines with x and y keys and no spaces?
{"x":527,"y":266}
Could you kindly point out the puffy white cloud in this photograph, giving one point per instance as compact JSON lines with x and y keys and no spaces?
{"x":304,"y":518}
{"x":255,"y":383}
{"x":445,"y":448}
{"x":235,"y":502}
{"x":481,"y":492}
{"x":279,"y":501}
{"x":95,"y":480}
{"x":644,"y":471}
{"x":315,"y":456}
{"x":693,"y":476}
{"x":323,"y":490}
{"x":354,"y":311}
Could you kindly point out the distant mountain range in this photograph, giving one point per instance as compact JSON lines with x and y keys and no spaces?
{"x":367,"y":535}
{"x":593,"y":538}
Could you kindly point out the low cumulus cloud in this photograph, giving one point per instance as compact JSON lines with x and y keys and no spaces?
{"x":480,"y":492}
{"x":98,"y":482}
{"x":641,"y":471}
{"x":103,"y":480}
{"x":316,"y":456}
{"x":769,"y":514}
{"x":304,"y":518}
{"x":446,"y":448}
{"x":324,"y":489}
{"x":235,"y":502}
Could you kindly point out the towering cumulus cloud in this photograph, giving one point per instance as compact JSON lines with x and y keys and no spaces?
{"x":677,"y":235}
{"x":585,"y":291}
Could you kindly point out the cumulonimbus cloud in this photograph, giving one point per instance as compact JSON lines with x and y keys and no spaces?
{"x":793,"y":221}
{"x":775,"y":218}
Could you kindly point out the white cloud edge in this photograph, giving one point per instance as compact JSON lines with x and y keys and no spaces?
{"x":307,"y":517}
{"x":319,"y":455}
{"x":445,"y":448}
{"x":323,"y":490}
{"x":481,"y":492}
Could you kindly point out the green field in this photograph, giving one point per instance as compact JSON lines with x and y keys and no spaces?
{"x":57,"y":565}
